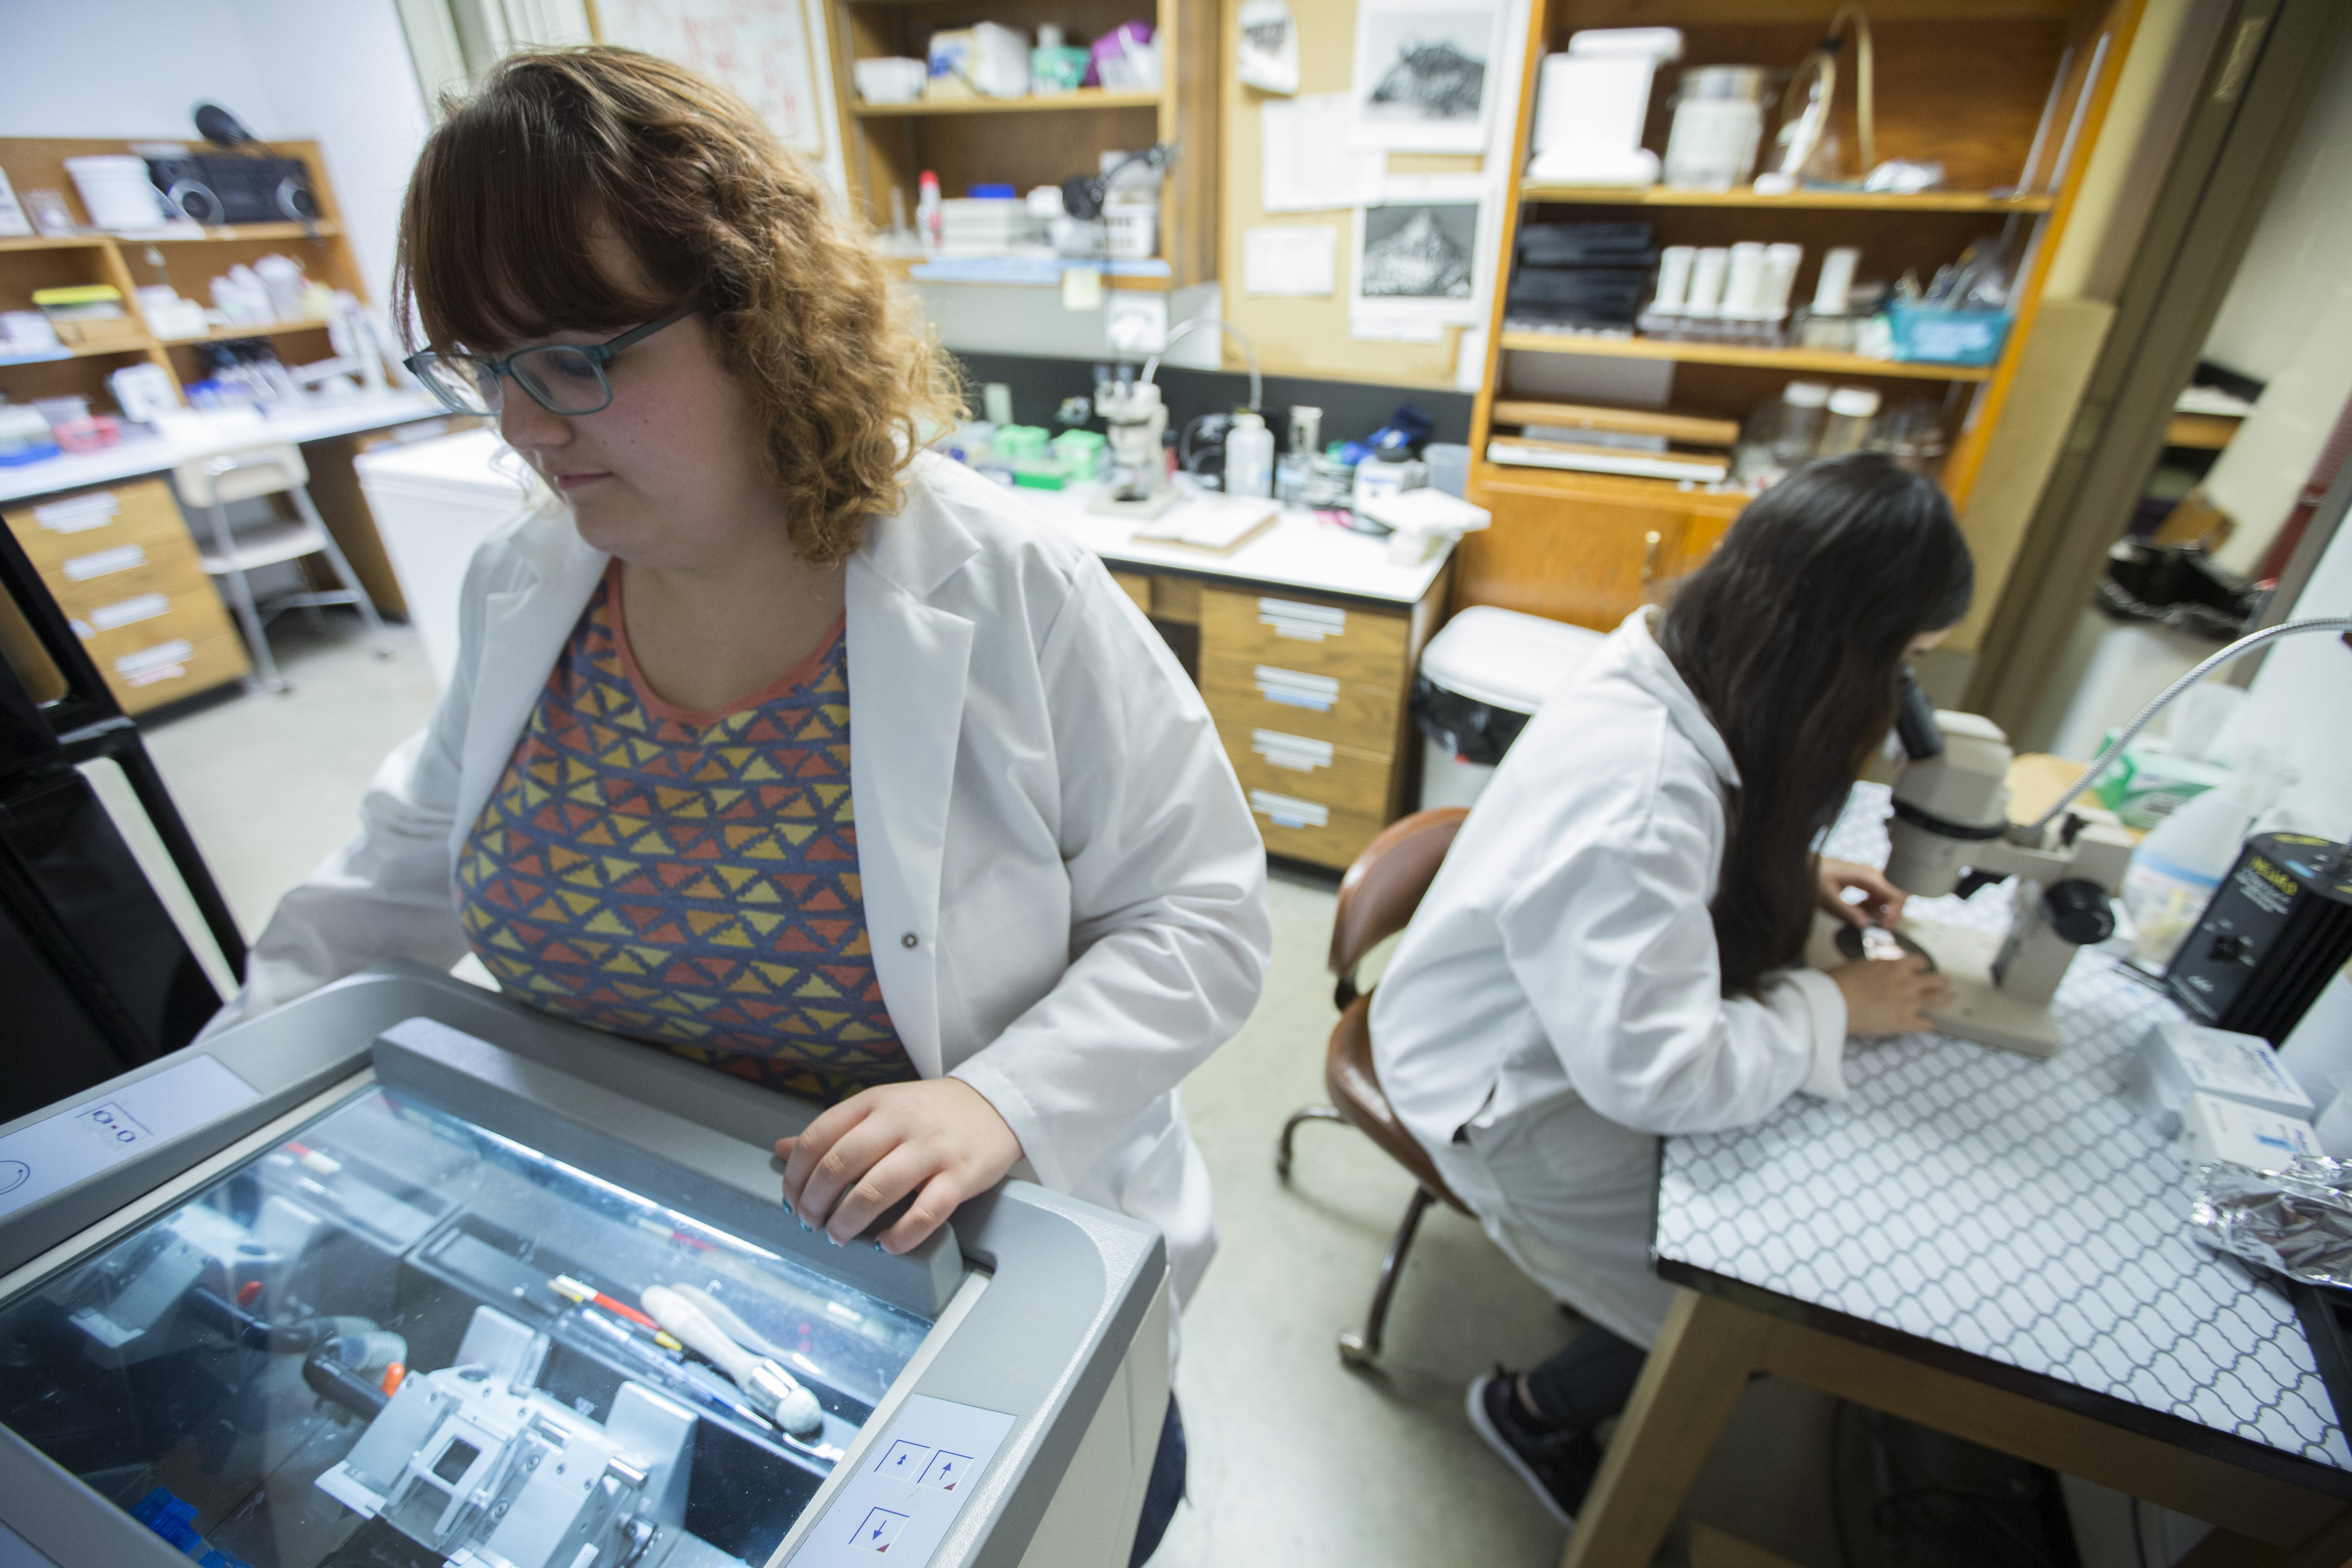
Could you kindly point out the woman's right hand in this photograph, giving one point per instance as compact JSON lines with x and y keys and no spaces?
{"x":1891,"y":996}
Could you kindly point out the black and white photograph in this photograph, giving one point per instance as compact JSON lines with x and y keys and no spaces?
{"x":1425,"y":76}
{"x":1416,"y":260}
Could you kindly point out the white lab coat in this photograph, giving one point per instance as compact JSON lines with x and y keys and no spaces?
{"x":1561,"y":982}
{"x":1063,"y":889}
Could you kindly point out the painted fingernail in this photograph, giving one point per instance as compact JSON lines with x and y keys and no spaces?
{"x":804,"y":1224}
{"x":879,"y":1247}
{"x":830,"y":1236}
{"x":788,"y":1206}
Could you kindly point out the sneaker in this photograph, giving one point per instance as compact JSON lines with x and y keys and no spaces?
{"x":1557,"y":1467}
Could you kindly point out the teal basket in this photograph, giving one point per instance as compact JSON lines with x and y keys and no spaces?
{"x":1948,"y":337}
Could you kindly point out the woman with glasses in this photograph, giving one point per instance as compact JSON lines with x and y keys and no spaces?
{"x":787,"y":745}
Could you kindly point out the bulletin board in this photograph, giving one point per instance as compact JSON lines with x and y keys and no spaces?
{"x":757,"y":47}
{"x":1311,"y":335}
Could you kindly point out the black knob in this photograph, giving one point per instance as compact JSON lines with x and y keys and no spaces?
{"x":2230,"y":949}
{"x":2078,"y":910}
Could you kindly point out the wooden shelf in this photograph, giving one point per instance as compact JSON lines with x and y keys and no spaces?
{"x":1084,"y":97}
{"x":49,"y":242}
{"x":250,"y":330}
{"x":1844,"y":201}
{"x":1818,"y":360}
{"x":1572,"y":484}
{"x":237,"y":232}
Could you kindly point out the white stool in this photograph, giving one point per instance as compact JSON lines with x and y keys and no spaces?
{"x":254,"y":471}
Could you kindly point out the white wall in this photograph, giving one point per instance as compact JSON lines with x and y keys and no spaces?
{"x":291,"y":70}
{"x":2302,"y":700}
{"x":2288,"y":321}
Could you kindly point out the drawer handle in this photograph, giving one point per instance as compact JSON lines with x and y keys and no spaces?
{"x":1298,"y":753}
{"x":99,"y":563}
{"x":124,"y":611}
{"x":1302,"y":622}
{"x":79,"y":515}
{"x":1649,"y":555}
{"x":1289,"y":810}
{"x":1296,"y":688}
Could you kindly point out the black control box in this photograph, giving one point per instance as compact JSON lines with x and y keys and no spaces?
{"x":2279,"y":929}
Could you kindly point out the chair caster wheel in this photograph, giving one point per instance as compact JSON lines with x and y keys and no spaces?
{"x":1354,"y":1352}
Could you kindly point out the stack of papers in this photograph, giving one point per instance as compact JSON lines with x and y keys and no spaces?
{"x":1218,"y":524}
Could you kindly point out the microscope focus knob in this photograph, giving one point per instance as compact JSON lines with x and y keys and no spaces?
{"x":2078,"y":910}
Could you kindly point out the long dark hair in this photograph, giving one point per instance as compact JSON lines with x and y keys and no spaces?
{"x":1792,"y":636}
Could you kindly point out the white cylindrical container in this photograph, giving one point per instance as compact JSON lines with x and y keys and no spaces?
{"x":1851,"y":411}
{"x":1802,"y":406}
{"x":116,"y":190}
{"x":1707,"y":281}
{"x":1675,"y":276}
{"x":1718,"y":122}
{"x":1482,"y":677}
{"x":1249,"y":458}
{"x":1836,"y":281}
{"x":1781,"y":264}
{"x":1743,"y":283}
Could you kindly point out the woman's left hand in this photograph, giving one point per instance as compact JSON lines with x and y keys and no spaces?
{"x":1880,"y":901}
{"x":938,"y":1139}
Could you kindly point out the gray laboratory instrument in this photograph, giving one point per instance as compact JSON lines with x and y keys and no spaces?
{"x":406,"y":1275}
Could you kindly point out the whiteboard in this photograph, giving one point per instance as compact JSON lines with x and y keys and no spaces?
{"x":757,"y":47}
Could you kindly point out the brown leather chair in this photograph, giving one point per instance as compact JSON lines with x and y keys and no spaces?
{"x":1377,"y":897}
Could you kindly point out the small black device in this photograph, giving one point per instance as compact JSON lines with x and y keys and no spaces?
{"x":2277,"y":930}
{"x":251,"y":188}
{"x":1083,"y":194}
{"x":227,"y":190}
{"x":2326,"y":1315}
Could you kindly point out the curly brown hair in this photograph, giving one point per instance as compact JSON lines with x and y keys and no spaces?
{"x":562,"y":144}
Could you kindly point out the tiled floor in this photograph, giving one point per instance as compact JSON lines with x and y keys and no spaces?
{"x":1296,"y":1460}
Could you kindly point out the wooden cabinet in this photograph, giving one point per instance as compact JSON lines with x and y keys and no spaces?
{"x":1990,"y":94}
{"x":121,"y":564}
{"x":1309,"y":694}
{"x":1037,"y":140}
{"x":1584,"y":549}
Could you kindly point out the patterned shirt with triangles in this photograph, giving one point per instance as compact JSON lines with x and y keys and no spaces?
{"x":686,"y":880}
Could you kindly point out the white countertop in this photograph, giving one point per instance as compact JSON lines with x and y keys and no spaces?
{"x":1300,"y":551}
{"x":206,"y":434}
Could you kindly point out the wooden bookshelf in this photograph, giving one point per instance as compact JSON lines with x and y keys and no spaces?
{"x":1808,"y":360}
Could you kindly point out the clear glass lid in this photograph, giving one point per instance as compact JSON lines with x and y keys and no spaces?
{"x":398,"y":1339}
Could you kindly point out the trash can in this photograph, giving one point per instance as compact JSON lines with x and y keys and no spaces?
{"x":1482,"y":677}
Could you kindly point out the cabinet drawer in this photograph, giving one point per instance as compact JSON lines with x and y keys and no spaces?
{"x":1352,"y":644}
{"x":193,"y":617}
{"x":1288,"y":763}
{"x":1245,"y":697}
{"x":92,"y":522}
{"x":1309,"y":831}
{"x":170,"y":567}
{"x":1136,"y":586}
{"x":173,"y":667}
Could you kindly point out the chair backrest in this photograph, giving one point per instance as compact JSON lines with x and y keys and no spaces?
{"x":1385,"y":885}
{"x":241,"y":475}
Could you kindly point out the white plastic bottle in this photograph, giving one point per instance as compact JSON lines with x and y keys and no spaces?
{"x":2177,"y":868}
{"x":1249,"y":456}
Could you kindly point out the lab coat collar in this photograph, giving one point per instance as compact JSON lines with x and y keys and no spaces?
{"x":1645,"y":664}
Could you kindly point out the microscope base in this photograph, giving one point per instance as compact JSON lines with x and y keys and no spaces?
{"x":1979,"y":1010}
{"x":1141,"y":511}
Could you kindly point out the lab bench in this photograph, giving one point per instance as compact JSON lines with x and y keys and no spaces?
{"x":103,"y":533}
{"x":1304,"y":641}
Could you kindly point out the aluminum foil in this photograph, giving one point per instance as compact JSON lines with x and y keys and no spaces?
{"x":2297,"y":1220}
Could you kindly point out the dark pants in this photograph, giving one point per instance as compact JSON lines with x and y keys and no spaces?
{"x":1165,"y":1490}
{"x":1587,"y":1382}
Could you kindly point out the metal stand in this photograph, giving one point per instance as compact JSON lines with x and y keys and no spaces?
{"x":1362,"y":1348}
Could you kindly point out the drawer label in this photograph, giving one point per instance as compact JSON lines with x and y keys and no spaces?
{"x":125,"y":612}
{"x":163,"y":662}
{"x":99,"y":563}
{"x":79,"y":514}
{"x":1303,"y":623}
{"x":1289,"y":810}
{"x":1296,"y":688}
{"x":1296,"y":752}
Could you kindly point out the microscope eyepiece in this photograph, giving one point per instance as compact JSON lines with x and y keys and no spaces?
{"x":1915,"y":722}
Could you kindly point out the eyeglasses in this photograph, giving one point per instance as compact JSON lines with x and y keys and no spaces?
{"x":562,"y":378}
